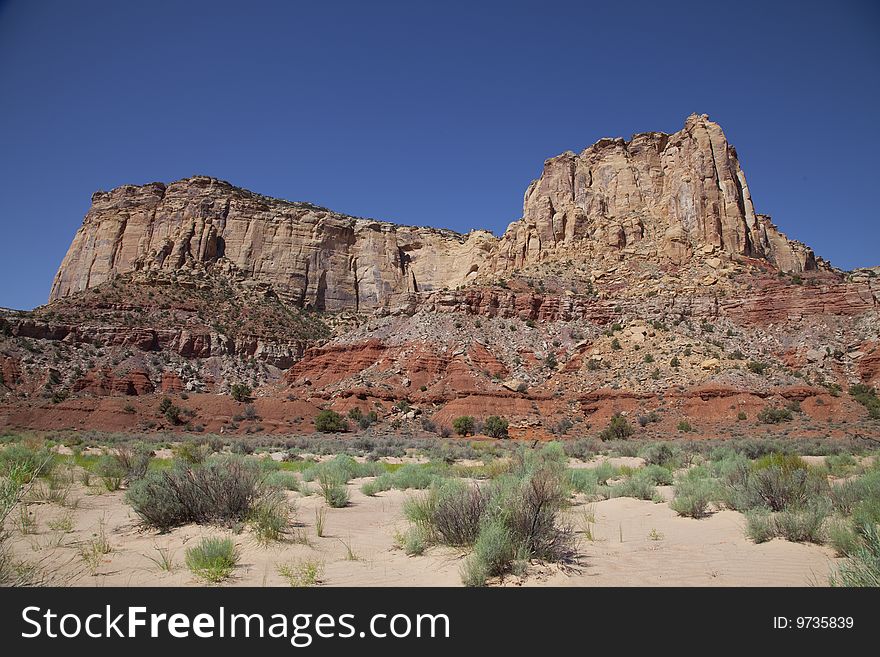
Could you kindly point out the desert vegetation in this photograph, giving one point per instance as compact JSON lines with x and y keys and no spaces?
{"x":509,"y":510}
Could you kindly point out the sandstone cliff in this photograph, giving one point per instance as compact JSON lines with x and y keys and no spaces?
{"x":312,"y":256}
{"x":661,"y":197}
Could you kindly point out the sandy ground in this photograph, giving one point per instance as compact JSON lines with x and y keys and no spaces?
{"x":630,"y":542}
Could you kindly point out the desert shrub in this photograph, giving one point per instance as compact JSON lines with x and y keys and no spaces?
{"x":693,"y":494}
{"x":777,"y":482}
{"x":645,"y":420}
{"x":134,"y":460}
{"x":222,"y":489}
{"x":623,"y":448}
{"x":605,"y":471}
{"x":618,"y":429}
{"x":330,"y":422}
{"x":582,"y":448}
{"x":281,"y":480}
{"x":306,"y":572}
{"x":342,"y":468}
{"x":583,"y":480}
{"x":449,"y":513}
{"x":25,"y":462}
{"x":803,"y":525}
{"x":521,"y":507}
{"x":412,"y":476}
{"x":269,"y":517}
{"x":111,"y":472}
{"x":684,"y":426}
{"x":240,"y":392}
{"x":657,"y":475}
{"x":192,"y":452}
{"x":495,"y":427}
{"x":213,"y":559}
{"x":840,"y":465}
{"x":846,"y":495}
{"x":637,"y":485}
{"x":463,"y":425}
{"x":370,"y":488}
{"x":413,"y":542}
{"x":843,"y":537}
{"x":494,"y":551}
{"x":757,"y":367}
{"x":867,"y":397}
{"x":242,"y":447}
{"x":862,"y":567}
{"x":759,"y":525}
{"x":665,"y":454}
{"x":770,"y":415}
{"x":333,"y":489}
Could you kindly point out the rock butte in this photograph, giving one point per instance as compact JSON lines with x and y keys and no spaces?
{"x":657,"y":196}
{"x":639,"y":279}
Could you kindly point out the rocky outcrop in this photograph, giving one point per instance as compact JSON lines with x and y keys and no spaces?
{"x":489,"y":302}
{"x":104,"y":381}
{"x":315,"y":257}
{"x":778,"y":302}
{"x":182,"y":341}
{"x":659,"y":196}
{"x":669,"y":198}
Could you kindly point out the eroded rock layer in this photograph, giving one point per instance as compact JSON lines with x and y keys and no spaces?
{"x":658,"y":196}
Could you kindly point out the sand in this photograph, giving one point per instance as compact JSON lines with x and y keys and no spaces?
{"x":634,"y":543}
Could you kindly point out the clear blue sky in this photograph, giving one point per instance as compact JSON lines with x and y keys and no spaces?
{"x":429,"y":113}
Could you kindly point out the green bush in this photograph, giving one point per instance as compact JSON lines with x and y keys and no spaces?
{"x":192,"y":452}
{"x":269,"y":517}
{"x":862,"y":568}
{"x":665,"y":454}
{"x":583,"y":480}
{"x":637,"y":485}
{"x":222,"y":489}
{"x":843,"y":537}
{"x":657,"y":475}
{"x":330,"y":422}
{"x":867,"y":397}
{"x":111,"y":472}
{"x":770,"y":415}
{"x":804,"y":525}
{"x":281,"y":480}
{"x":618,"y":429}
{"x":605,"y":471}
{"x":517,"y":510}
{"x":463,"y":425}
{"x":333,"y":489}
{"x":757,"y":367}
{"x":134,"y":460}
{"x":25,"y":462}
{"x":495,"y":427}
{"x":694,"y":492}
{"x":342,"y":468}
{"x":240,"y":392}
{"x":759,"y":525}
{"x":494,"y":550}
{"x":777,"y":482}
{"x":213,"y":559}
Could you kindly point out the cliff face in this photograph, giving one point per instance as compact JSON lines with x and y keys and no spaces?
{"x":658,"y":196}
{"x":312,"y":256}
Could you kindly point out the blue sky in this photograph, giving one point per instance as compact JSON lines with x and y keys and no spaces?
{"x":428,"y":113}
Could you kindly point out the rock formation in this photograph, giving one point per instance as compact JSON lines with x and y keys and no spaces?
{"x":657,"y":195}
{"x":639,"y":280}
{"x":314,"y":257}
{"x":662,"y":197}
